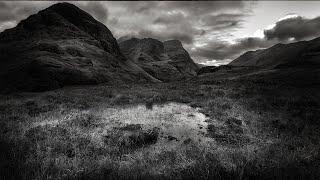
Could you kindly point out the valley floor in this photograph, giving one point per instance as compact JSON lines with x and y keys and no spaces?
{"x":196,"y":129}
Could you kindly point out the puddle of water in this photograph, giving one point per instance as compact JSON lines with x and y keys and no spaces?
{"x":178,"y":123}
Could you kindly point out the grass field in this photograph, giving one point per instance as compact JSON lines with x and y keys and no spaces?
{"x":197,"y":129}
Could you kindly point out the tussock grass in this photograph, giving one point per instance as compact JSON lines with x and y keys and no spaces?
{"x":253,"y":130}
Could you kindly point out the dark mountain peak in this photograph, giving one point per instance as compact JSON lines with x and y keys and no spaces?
{"x":133,"y":39}
{"x":86,"y":23}
{"x":150,"y":46}
{"x":141,"y":40}
{"x":56,"y":15}
{"x":166,"y":61}
{"x":64,"y":6}
{"x":63,"y":21}
{"x":150,"y":42}
{"x":155,"y":48}
{"x":71,"y":13}
{"x":173,"y":45}
{"x":62,"y":45}
{"x":173,"y":42}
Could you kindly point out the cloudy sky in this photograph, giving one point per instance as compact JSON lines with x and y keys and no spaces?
{"x":213,"y":32}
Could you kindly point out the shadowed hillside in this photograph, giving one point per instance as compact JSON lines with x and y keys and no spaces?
{"x":166,"y":61}
{"x":62,"y":45}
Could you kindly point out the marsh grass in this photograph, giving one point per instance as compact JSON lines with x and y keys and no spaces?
{"x":254,"y":130}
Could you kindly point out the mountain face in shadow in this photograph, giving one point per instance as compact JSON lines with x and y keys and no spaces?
{"x":165,"y":61}
{"x":298,"y":54}
{"x":62,"y":45}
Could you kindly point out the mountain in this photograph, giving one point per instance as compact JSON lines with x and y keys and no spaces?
{"x":63,"y":45}
{"x":303,"y":53}
{"x":165,"y":61}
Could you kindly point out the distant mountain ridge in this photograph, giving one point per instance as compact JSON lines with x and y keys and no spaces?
{"x":302,"y":53}
{"x":165,"y":61}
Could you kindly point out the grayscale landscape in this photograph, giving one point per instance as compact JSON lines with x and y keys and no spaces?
{"x":77,"y":102}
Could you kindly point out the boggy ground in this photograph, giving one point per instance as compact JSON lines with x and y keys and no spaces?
{"x":198,"y":129}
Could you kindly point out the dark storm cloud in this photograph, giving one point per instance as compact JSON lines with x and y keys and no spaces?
{"x":179,"y":20}
{"x":189,"y":22}
{"x":192,"y":7}
{"x":289,"y":29}
{"x":183,"y":31}
{"x":11,"y":12}
{"x":297,"y":27}
{"x":210,"y":21}
{"x":204,"y":7}
{"x":222,"y":20}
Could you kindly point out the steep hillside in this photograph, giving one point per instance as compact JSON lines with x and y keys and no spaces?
{"x":165,"y":61}
{"x":62,"y":45}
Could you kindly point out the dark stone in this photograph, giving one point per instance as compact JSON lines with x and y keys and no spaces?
{"x":171,"y":138}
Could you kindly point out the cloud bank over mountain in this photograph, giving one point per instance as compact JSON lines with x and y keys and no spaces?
{"x":209,"y":30}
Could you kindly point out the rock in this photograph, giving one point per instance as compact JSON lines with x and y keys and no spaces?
{"x":171,"y":138}
{"x":62,"y":45}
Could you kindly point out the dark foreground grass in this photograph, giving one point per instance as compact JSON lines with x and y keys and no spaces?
{"x":266,"y":130}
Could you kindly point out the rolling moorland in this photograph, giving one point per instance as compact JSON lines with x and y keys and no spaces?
{"x":251,"y":119}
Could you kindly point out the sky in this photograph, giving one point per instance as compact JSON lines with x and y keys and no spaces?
{"x":213,"y":32}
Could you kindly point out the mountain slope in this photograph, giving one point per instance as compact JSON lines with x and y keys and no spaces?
{"x":303,"y":53}
{"x":62,"y":45}
{"x":165,"y":61}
